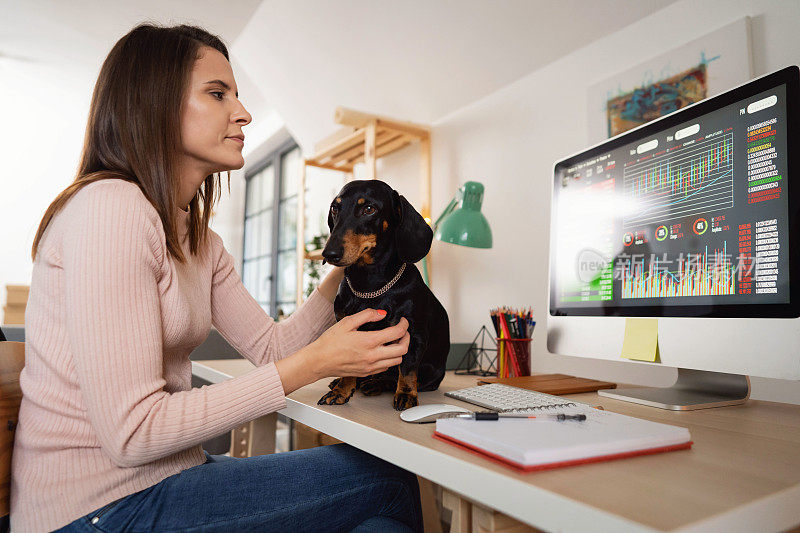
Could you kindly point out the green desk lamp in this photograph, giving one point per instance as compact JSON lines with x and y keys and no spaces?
{"x":462,"y":221}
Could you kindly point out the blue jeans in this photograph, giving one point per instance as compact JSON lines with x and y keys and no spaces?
{"x":329,"y":488}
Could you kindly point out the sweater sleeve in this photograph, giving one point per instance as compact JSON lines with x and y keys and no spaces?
{"x":112,"y":256}
{"x":245,"y":325}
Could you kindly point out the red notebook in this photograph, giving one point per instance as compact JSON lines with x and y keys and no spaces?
{"x":528,"y":445}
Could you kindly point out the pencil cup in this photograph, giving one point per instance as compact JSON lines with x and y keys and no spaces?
{"x":514,"y":356}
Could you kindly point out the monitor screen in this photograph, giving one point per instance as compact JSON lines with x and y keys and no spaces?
{"x":689,"y":215}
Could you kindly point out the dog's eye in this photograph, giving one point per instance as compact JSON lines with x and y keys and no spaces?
{"x":334,"y":210}
{"x":368,"y":210}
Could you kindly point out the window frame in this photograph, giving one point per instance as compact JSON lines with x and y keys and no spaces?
{"x":274,"y":158}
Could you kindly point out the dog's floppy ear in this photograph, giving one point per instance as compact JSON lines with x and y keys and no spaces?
{"x":412,"y":235}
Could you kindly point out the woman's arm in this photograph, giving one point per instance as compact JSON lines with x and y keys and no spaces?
{"x":311,"y":319}
{"x":330,"y":285}
{"x":245,"y":325}
{"x":307,"y":346}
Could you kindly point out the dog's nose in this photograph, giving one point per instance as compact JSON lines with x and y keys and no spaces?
{"x":332,"y":255}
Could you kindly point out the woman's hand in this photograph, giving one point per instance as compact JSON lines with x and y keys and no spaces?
{"x":344,"y":351}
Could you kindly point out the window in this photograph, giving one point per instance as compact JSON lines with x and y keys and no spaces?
{"x":290,"y":164}
{"x":270,"y":231}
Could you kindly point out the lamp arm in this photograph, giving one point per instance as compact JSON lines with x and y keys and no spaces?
{"x":449,"y":209}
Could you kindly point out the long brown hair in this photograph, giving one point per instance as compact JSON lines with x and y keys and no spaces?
{"x":133,"y":132}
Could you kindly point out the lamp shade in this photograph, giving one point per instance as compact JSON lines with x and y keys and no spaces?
{"x":466,"y":225}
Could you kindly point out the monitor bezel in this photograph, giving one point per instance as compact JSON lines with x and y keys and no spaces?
{"x":790,"y":76}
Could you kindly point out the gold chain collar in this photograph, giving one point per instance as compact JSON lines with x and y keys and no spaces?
{"x":375,"y":294}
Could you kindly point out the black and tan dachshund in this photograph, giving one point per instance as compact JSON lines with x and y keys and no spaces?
{"x":378,"y":236}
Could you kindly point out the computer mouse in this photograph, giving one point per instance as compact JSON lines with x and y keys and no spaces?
{"x":430,"y":412}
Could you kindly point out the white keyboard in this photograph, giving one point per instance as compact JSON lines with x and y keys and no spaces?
{"x":504,"y":398}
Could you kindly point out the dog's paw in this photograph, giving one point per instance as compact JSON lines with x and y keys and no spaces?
{"x":371,"y":388}
{"x":403,"y":401}
{"x":335,"y":397}
{"x":333,"y":383}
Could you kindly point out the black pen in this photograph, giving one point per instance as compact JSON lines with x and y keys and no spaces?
{"x":560,"y":417}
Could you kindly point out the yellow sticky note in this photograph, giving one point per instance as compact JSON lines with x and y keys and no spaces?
{"x":641,"y":339}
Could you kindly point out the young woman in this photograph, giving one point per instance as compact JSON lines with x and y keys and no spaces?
{"x":127,"y":280}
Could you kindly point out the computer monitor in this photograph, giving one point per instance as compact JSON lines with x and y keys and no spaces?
{"x":689,"y":219}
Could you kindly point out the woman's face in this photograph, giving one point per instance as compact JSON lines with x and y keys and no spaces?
{"x":212,"y":117}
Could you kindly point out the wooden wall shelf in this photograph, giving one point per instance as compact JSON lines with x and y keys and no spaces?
{"x":370,"y":138}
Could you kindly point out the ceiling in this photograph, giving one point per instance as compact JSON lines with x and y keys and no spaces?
{"x":81,"y":32}
{"x":416,"y":60}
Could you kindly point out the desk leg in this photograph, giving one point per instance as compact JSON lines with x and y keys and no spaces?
{"x":430,"y":510}
{"x":484,"y":520}
{"x":255,"y":438}
{"x":461,"y":519}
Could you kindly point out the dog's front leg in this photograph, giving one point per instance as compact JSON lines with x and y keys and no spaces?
{"x":406,"y":394}
{"x":341,"y":392}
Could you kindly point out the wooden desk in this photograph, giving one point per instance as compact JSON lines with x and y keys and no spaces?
{"x":742,"y":474}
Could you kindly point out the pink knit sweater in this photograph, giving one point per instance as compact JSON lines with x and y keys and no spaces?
{"x":107,"y":407}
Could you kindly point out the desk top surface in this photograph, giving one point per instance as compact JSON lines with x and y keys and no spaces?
{"x":743,"y":470}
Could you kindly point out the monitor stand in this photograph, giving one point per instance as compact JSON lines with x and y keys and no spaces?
{"x":694,"y":389}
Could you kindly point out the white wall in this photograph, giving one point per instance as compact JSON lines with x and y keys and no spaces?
{"x":509,"y":141}
{"x":37,"y":111}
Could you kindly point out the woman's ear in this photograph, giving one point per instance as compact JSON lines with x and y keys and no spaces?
{"x":413,"y":236}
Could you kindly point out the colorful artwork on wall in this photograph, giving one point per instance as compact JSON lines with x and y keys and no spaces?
{"x":656,"y":100}
{"x":704,"y":67}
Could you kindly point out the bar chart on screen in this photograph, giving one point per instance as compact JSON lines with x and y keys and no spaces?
{"x":691,"y":274}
